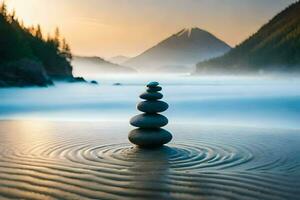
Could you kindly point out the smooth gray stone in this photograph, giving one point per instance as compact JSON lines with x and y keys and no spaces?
{"x":149,"y":138}
{"x":154,"y":89}
{"x":153,"y":84}
{"x":151,"y":96}
{"x":152,"y":106}
{"x":149,"y":121}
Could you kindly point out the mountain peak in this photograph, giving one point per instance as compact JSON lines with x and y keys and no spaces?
{"x":182,"y":49}
{"x":185,"y":31}
{"x":189,"y":31}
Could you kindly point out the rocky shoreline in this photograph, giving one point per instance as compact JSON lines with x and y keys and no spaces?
{"x":27,"y":73}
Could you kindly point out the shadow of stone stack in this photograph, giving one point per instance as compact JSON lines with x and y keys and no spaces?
{"x":149,"y":133}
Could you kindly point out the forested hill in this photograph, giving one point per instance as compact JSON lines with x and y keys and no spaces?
{"x":27,"y":57}
{"x":275,"y":47}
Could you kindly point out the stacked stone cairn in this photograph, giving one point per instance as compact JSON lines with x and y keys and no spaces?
{"x":149,"y":133}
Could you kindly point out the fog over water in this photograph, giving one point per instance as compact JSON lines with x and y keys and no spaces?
{"x":246,"y":101}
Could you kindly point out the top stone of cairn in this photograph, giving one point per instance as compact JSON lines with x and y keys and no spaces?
{"x":153,"y":84}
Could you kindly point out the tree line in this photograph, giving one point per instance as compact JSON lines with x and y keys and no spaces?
{"x":18,"y":42}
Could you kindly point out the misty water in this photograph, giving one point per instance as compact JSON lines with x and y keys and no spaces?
{"x":234,"y":138}
{"x":250,"y":101}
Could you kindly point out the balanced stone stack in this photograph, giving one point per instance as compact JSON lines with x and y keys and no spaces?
{"x":149,"y":133}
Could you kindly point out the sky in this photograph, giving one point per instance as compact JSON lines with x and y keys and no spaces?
{"x":108,"y":28}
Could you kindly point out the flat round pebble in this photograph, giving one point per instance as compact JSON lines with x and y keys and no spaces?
{"x":154,"y":89}
{"x":151,"y":96}
{"x":149,"y":121}
{"x":149,"y":138}
{"x":152,"y":84}
{"x":152,"y":106}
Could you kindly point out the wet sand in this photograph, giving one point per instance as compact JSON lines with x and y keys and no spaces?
{"x":94,"y":160}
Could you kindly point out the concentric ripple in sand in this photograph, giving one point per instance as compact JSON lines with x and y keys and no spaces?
{"x":60,"y":163}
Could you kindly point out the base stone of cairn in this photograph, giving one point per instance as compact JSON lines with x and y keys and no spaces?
{"x":149,"y":133}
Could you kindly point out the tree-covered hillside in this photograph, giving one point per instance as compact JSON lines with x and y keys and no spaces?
{"x":275,"y":47}
{"x":29,"y":58}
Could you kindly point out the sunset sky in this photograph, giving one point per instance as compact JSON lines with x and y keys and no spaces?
{"x":127,"y":27}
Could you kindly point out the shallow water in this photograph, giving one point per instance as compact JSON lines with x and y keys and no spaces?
{"x":234,"y":138}
{"x":94,"y":160}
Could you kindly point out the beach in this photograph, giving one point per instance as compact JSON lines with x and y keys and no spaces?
{"x":93,"y":160}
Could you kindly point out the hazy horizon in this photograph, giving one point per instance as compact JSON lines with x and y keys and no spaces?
{"x":110,"y":28}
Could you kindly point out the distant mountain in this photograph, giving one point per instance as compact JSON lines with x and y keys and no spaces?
{"x":119,"y":59}
{"x":96,"y":65}
{"x":179,"y":52}
{"x":274,"y":48}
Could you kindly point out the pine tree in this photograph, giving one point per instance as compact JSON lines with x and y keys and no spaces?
{"x":56,"y":38}
{"x":66,"y":50}
{"x":3,"y":10}
{"x":38,"y":32}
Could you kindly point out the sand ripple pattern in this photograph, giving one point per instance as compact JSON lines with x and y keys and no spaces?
{"x":179,"y":157}
{"x":78,"y":168}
